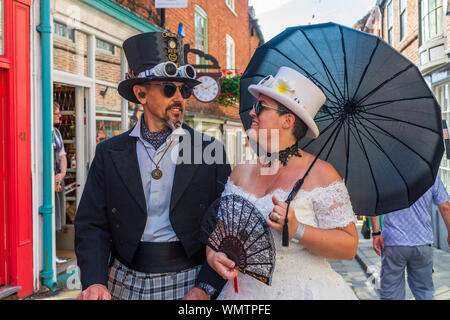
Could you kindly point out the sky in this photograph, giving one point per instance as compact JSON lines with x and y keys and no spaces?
{"x":276,"y":15}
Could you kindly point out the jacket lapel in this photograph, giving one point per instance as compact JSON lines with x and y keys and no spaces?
{"x":127,"y":166}
{"x":185,"y":171}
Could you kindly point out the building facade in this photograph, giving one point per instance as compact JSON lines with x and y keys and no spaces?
{"x":420,"y":30}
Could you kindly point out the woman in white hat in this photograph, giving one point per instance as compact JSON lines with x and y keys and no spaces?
{"x":321,"y":221}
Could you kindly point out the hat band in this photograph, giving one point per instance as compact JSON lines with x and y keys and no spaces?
{"x":282,"y":86}
{"x":165,"y":69}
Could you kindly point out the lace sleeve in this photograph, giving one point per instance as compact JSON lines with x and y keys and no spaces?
{"x":332,"y":206}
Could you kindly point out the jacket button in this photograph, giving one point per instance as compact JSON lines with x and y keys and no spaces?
{"x":117,"y":226}
{"x":114,"y":210}
{"x":202,"y":206}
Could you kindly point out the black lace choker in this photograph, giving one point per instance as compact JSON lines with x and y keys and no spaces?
{"x":285,"y":154}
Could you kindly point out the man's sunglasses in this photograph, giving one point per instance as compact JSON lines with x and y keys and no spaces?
{"x":171,"y":88}
{"x":259,"y":106}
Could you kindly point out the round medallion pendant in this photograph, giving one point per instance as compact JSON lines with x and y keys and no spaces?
{"x":157,"y":174}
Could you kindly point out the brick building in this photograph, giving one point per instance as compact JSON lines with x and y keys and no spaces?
{"x":420,"y":30}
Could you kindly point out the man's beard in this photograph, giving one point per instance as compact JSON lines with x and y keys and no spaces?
{"x":174,"y":124}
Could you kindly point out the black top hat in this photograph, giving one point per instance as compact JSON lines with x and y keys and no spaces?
{"x":154,"y":56}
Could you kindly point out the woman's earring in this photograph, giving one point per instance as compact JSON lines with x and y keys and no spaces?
{"x":142,"y":94}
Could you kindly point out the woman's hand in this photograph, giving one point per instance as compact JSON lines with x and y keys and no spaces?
{"x":275,"y":220}
{"x":221,"y":264}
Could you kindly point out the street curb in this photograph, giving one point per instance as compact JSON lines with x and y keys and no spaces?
{"x":361,"y":262}
{"x":364,"y":266}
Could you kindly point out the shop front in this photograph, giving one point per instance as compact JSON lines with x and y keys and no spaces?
{"x":16,"y":238}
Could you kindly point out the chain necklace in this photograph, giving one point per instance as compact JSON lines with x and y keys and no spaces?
{"x":157,"y":173}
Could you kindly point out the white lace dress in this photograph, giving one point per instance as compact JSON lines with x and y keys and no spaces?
{"x":299,"y":274}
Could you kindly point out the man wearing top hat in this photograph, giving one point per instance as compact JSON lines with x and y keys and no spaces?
{"x":138,"y":222}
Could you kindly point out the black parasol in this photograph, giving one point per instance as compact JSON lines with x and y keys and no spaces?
{"x":380,"y":126}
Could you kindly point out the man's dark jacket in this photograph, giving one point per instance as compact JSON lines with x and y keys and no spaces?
{"x":112,"y":213}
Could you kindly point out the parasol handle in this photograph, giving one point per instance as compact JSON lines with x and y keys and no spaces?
{"x":297,"y":186}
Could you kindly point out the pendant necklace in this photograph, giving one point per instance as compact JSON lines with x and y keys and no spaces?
{"x":157,"y":173}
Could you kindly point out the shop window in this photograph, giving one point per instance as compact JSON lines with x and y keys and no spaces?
{"x":2,"y":29}
{"x":65,"y":97}
{"x":70,"y":56}
{"x":108,"y":112}
{"x":105,"y":47}
{"x":64,"y":31}
{"x":135,"y":111}
{"x":403,"y":25}
{"x":390,"y":24}
{"x":431,"y":23}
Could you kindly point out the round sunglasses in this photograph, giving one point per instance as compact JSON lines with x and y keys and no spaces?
{"x":170,"y":89}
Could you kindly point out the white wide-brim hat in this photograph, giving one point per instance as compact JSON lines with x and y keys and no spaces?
{"x":295,"y":92}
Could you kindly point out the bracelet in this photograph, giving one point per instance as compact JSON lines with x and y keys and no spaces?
{"x":299,"y":233}
{"x":376,"y":233}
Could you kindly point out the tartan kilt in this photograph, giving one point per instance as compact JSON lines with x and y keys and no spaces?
{"x":127,"y":284}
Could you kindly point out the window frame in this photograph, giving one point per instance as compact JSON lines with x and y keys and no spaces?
{"x":200,"y":12}
{"x":231,"y":6}
{"x":390,"y":19}
{"x":105,"y":51}
{"x":402,"y":14}
{"x":73,"y":41}
{"x":425,"y":22}
{"x":230,"y":41}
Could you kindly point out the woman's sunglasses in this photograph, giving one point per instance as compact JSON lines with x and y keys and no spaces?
{"x":171,"y":88}
{"x":259,"y":106}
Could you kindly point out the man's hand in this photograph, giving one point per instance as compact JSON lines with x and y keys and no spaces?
{"x":95,"y":292}
{"x":58,"y":182}
{"x":378,"y":244}
{"x":197,"y":294}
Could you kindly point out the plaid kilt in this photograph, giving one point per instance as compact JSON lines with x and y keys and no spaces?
{"x":127,"y":284}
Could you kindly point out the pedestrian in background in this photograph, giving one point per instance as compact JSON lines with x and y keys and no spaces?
{"x":406,"y":243}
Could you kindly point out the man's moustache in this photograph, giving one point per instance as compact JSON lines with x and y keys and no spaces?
{"x":175,"y":105}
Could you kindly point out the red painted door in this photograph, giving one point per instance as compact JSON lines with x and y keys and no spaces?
{"x":19,"y":161}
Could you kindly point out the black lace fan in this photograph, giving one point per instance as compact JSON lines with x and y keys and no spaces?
{"x":233,"y":225}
